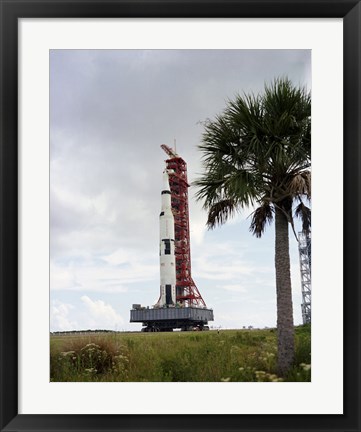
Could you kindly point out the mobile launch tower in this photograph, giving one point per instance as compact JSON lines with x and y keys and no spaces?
{"x":180,"y":304}
{"x":304,"y":248}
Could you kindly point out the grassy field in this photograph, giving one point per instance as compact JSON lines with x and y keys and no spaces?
{"x":230,"y":355}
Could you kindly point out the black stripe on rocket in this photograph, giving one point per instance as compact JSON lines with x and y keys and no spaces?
{"x":166,"y":243}
{"x":168,"y":294}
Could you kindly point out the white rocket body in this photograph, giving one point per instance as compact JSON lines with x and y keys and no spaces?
{"x":167,"y":248}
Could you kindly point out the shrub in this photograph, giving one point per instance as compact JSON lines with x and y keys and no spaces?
{"x":89,"y":359}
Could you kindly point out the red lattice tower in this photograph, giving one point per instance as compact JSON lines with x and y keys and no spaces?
{"x":186,"y":291}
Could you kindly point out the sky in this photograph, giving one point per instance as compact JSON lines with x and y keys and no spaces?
{"x":110,"y":110}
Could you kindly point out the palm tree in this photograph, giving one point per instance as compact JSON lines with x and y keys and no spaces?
{"x":257,"y":153}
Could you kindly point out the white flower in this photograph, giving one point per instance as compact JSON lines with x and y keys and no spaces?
{"x":67,"y":353}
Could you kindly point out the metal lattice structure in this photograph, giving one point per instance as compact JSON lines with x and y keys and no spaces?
{"x":304,"y":248}
{"x":187,"y":293}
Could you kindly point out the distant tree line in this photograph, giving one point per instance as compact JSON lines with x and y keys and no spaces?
{"x":83,"y":331}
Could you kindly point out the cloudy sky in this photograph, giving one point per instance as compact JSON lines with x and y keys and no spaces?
{"x":110,"y":110}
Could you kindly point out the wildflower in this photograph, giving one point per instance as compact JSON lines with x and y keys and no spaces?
{"x":305,"y":366}
{"x":67,"y":353}
{"x":241,"y":369}
{"x":91,"y":346}
{"x":226,"y":379}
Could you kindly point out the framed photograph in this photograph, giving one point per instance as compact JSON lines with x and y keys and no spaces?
{"x":86,"y":86}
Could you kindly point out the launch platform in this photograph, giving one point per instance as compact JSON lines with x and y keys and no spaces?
{"x":169,"y":318}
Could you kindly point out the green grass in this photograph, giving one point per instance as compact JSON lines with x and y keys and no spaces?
{"x":230,"y":355}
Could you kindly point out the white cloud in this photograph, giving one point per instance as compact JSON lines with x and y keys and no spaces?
{"x":59,"y":316}
{"x":110,"y":273}
{"x":88,"y":278}
{"x":101,"y":315}
{"x":120,"y":256}
{"x":86,"y":314}
{"x":222,"y":261}
{"x":197,"y":231}
{"x":235,"y":288}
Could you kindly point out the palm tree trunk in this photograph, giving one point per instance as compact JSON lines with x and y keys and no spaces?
{"x":285,"y":329}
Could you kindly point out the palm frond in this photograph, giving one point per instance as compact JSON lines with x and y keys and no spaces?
{"x":287,"y":122}
{"x":300,"y":184}
{"x":260,"y":217}
{"x":304,"y":213}
{"x":225,"y":180}
{"x":220,"y":212}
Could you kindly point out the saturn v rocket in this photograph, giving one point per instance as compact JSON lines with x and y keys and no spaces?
{"x":166,"y":248}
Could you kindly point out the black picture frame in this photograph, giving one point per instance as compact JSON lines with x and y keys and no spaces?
{"x":11,"y":11}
